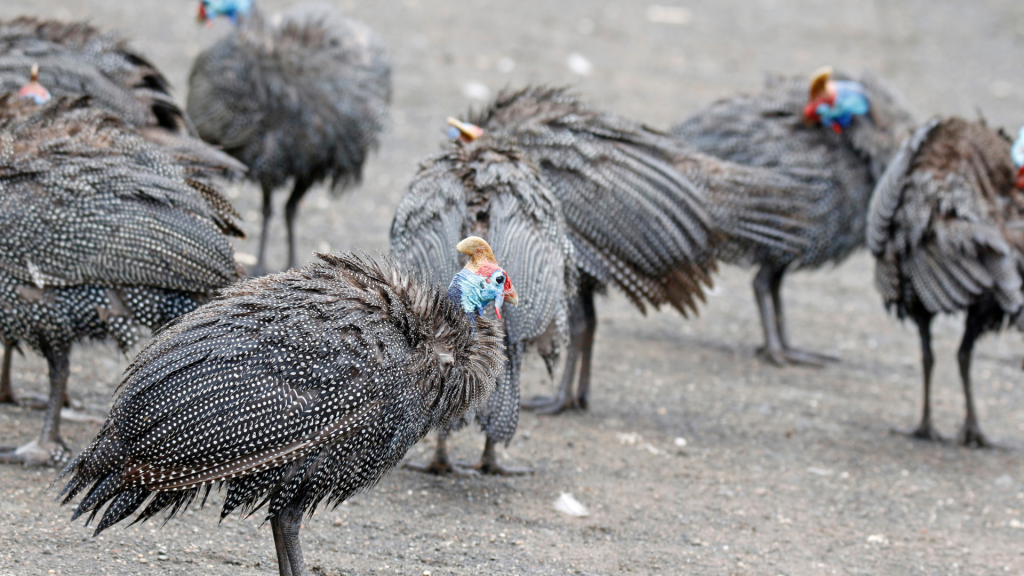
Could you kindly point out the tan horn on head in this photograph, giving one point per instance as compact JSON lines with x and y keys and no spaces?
{"x":34,"y":73}
{"x":819,"y":81}
{"x":469,"y":132}
{"x":478,"y":250}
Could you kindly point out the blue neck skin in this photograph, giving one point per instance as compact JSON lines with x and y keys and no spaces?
{"x":467,"y":290}
{"x":849,"y":102}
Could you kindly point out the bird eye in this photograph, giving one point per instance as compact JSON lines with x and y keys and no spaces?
{"x":499,"y":279}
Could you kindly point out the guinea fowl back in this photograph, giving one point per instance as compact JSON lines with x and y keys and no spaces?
{"x":945,"y":223}
{"x":307,"y":97}
{"x":289,"y":389}
{"x":77,"y":59}
{"x":836,"y":171}
{"x":487,"y":188}
{"x":89,"y":206}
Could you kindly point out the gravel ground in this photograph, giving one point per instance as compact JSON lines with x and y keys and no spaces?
{"x":784,"y":471}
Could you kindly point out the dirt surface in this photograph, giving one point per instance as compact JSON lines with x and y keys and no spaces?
{"x":784,"y":471}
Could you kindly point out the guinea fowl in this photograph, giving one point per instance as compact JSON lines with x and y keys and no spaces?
{"x":945,"y":226}
{"x":643,"y":213}
{"x":840,"y":139}
{"x":488,"y":188}
{"x":294,"y":388}
{"x":40,"y":59}
{"x":304,"y":99}
{"x":104,"y":232}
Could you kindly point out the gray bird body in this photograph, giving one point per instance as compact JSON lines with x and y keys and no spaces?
{"x":838,"y":171}
{"x":487,"y":188}
{"x":945,"y":226}
{"x":104,"y":232}
{"x":305,"y":99}
{"x":644,"y":213}
{"x":288,"y":390}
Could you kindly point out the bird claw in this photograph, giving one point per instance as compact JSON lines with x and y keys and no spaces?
{"x":491,"y":467}
{"x":551,"y":405}
{"x":37,"y":453}
{"x":972,"y":437}
{"x":922,"y":432}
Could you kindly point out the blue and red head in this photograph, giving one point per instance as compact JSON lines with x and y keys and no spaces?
{"x":1017,"y":154}
{"x":34,"y":90}
{"x":834,"y":103}
{"x":209,"y":10}
{"x":481,"y":281}
{"x":463,"y":131}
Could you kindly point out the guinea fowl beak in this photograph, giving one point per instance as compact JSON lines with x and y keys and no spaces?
{"x":467,"y":132}
{"x":512,"y":297}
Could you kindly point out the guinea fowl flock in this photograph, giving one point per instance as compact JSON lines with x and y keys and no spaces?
{"x":304,"y":387}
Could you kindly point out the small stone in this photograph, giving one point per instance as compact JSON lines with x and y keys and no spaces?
{"x":337,"y":522}
{"x":162,"y":557}
{"x":566,"y":504}
{"x":476,"y":91}
{"x":680,"y":442}
{"x":579,"y":64}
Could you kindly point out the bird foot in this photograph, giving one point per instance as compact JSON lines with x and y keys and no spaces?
{"x":491,"y":467}
{"x":552,"y":405}
{"x":795,"y":356}
{"x":441,"y":468}
{"x":922,"y":432}
{"x":972,"y":437}
{"x":37,"y":453}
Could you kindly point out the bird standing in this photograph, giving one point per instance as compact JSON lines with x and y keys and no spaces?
{"x":643,"y":213}
{"x":304,"y":99}
{"x":104,"y":232}
{"x":945,"y":226}
{"x":44,"y":59}
{"x":837,"y":142}
{"x":489,"y":189}
{"x":294,"y":388}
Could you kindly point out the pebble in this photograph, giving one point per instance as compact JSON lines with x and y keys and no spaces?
{"x":579,"y":64}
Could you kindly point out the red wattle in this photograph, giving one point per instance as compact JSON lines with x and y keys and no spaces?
{"x":1020,"y":178}
{"x":498,"y":312}
{"x":837,"y":128}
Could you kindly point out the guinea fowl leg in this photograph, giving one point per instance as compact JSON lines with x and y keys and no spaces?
{"x":793,"y":355}
{"x":489,"y":463}
{"x":925,"y":430}
{"x":289,"y":216}
{"x":285,"y":525}
{"x":590,"y":328}
{"x":50,"y":448}
{"x":440,"y":464}
{"x":970,"y":433}
{"x":268,"y":212}
{"x":772,"y":349}
{"x":6,"y":394}
{"x":564,"y":399}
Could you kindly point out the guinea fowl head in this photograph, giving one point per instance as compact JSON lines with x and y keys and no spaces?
{"x":464,"y":131}
{"x":209,"y":10}
{"x":1017,"y":153}
{"x":34,"y":89}
{"x":834,"y":103}
{"x":481,"y":281}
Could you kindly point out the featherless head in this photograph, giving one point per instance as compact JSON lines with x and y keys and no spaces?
{"x":834,"y":103}
{"x":209,"y":10}
{"x":34,"y":90}
{"x":481,"y":281}
{"x":463,"y":131}
{"x":1017,"y":153}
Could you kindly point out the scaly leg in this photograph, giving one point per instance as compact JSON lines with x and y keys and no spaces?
{"x":970,"y":433}
{"x":925,"y":430}
{"x":285,"y":525}
{"x":289,"y":216}
{"x":793,"y":355}
{"x":489,"y":463}
{"x":268,"y":212}
{"x":50,"y":448}
{"x":563,"y":399}
{"x":440,"y":464}
{"x":772,"y":350}
{"x":590,"y":328}
{"x":6,"y":393}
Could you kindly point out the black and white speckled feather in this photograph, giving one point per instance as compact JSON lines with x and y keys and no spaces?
{"x":487,"y":188}
{"x":287,"y":390}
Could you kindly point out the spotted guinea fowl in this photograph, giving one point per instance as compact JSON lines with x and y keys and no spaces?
{"x":488,"y":188}
{"x":40,"y":59}
{"x":294,"y":388}
{"x":304,"y":99}
{"x":104,"y":233}
{"x":643,"y":213}
{"x":840,"y":139}
{"x":945,"y":227}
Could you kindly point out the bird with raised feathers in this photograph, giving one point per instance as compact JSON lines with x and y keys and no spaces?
{"x":104,"y":233}
{"x":643,"y":213}
{"x":945,"y":226}
{"x":305,"y":98}
{"x":836,"y":139}
{"x":290,"y":390}
{"x":44,"y":59}
{"x":489,"y":188}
